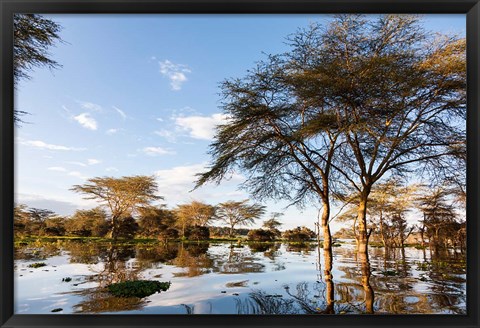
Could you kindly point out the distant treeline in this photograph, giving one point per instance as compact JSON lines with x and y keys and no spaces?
{"x":188,"y":221}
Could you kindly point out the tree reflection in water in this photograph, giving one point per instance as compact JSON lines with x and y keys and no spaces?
{"x":116,"y":268}
{"x":239,"y":259}
{"x":194,"y":258}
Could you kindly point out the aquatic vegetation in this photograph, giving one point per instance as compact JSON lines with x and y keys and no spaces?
{"x":37,"y":265}
{"x":138,"y":288}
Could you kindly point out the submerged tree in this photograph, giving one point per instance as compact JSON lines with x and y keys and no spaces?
{"x":238,"y":214}
{"x":282,"y":140}
{"x":121,"y":196}
{"x":389,"y":203}
{"x":439,"y":218}
{"x":360,"y":98}
{"x":398,"y":94}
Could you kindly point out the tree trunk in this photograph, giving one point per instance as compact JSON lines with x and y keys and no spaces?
{"x":330,"y":290}
{"x":114,"y":230}
{"x":422,"y":232}
{"x":327,"y":253}
{"x":231,"y":231}
{"x":327,"y":236}
{"x":367,"y":288}
{"x":382,"y":231}
{"x":362,"y":237}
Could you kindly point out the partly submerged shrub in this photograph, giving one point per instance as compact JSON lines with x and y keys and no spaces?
{"x":37,"y":265}
{"x":261,"y":235}
{"x":138,"y":288}
{"x":299,"y":234}
{"x":197,"y":233}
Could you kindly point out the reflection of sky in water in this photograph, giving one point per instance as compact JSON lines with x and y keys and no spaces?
{"x":221,"y":279}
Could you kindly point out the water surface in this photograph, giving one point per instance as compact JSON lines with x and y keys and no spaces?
{"x":225,"y":278}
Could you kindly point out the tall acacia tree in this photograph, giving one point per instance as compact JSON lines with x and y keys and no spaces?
{"x":398,"y":93}
{"x":284,"y":142}
{"x":194,"y":213}
{"x":238,"y":213}
{"x":360,"y":98}
{"x":121,"y":196}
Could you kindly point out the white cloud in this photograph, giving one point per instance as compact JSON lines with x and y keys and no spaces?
{"x":93,"y":161}
{"x":168,"y":135}
{"x":67,"y":172}
{"x":76,"y":163}
{"x":176,"y":73}
{"x":120,"y":112}
{"x":176,"y":185}
{"x":86,"y":121}
{"x":111,"y":131}
{"x":201,"y":127}
{"x":90,"y":106}
{"x":179,"y":175}
{"x":64,"y":204}
{"x":111,"y":169}
{"x":57,"y":168}
{"x":43,"y":145}
{"x":90,"y":161}
{"x":77,"y":175}
{"x":153,"y":151}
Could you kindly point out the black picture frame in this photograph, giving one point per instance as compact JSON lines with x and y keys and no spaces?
{"x":8,"y":7}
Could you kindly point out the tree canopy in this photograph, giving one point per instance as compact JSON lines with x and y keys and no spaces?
{"x":121,"y":196}
{"x":33,"y":36}
{"x":350,"y":103}
{"x":241,"y":213}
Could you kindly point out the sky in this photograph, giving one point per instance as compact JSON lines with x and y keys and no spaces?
{"x":139,"y":95}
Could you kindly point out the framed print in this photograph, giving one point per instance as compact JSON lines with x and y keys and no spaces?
{"x":244,"y":163}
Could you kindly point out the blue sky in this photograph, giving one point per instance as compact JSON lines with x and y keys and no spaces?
{"x":138,"y":94}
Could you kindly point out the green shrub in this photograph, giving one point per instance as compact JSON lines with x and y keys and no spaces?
{"x":261,"y":235}
{"x":299,"y":234}
{"x":138,"y":288}
{"x":197,"y":232}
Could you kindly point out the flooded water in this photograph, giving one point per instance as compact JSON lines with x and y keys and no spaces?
{"x":224,"y":278}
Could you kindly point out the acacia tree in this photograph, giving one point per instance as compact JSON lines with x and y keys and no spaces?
{"x":273,"y":223}
{"x":398,"y":94}
{"x":439,"y":217}
{"x":20,"y":219}
{"x":360,"y":98}
{"x":33,"y":35}
{"x":37,"y":220}
{"x":389,"y":202}
{"x":238,"y":213}
{"x":281,"y":140}
{"x":88,"y":223}
{"x":121,"y":196}
{"x":194,"y":213}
